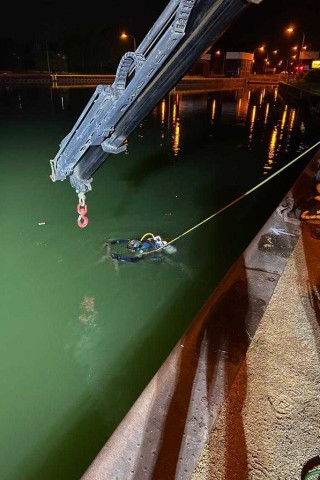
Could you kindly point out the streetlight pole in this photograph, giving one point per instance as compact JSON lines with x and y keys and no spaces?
{"x":302,"y":45}
{"x":218,"y":53}
{"x":266,"y":61}
{"x":126,"y":35}
{"x":48,"y":61}
{"x":257,"y":48}
{"x":291,"y":30}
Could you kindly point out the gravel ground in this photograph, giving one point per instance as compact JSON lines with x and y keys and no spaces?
{"x":269,"y":426}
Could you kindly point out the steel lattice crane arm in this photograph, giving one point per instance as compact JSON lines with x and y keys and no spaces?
{"x":179,"y":36}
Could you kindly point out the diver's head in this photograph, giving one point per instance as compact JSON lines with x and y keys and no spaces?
{"x":134,"y":244}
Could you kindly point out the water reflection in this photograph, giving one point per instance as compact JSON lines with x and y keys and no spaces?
{"x":271,"y":151}
{"x":176,"y":127}
{"x":251,"y":124}
{"x":258,"y":110}
{"x":266,"y":113}
{"x":213,"y":110}
{"x":261,"y":111}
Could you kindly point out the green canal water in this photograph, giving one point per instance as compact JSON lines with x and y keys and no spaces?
{"x":81,"y":336}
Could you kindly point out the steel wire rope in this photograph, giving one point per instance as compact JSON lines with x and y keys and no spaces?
{"x":236,"y":200}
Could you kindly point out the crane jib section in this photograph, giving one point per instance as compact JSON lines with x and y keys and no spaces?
{"x":181,"y":33}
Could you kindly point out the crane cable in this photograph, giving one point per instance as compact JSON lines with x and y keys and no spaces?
{"x":236,"y":200}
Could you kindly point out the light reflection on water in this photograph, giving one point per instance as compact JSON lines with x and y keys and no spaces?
{"x":83,"y":335}
{"x":249,"y":106}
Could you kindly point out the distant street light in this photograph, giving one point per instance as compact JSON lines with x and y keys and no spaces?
{"x":124,"y":36}
{"x":261,"y":49}
{"x":291,"y":30}
{"x":218,"y":54}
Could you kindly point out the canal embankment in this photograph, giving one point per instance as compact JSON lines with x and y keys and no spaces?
{"x":303,"y":96}
{"x":54,"y":80}
{"x":187,"y":83}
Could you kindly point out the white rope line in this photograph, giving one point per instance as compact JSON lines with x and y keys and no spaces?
{"x":237,"y":199}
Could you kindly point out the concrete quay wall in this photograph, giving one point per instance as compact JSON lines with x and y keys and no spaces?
{"x":187,"y":83}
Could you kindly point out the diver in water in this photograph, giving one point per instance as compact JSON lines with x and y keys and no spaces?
{"x":149,"y":245}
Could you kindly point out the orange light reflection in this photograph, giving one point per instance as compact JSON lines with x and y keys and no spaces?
{"x":252,"y":119}
{"x":267,"y":113}
{"x":284,"y":116}
{"x":271,"y":151}
{"x":213,"y":110}
{"x":292,"y":119}
{"x":176,"y":138}
{"x":163,"y":110}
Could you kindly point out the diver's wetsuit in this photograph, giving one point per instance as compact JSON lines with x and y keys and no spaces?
{"x":116,"y":256}
{"x":135,"y":246}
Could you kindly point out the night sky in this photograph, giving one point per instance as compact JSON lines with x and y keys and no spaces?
{"x":266,"y":23}
{"x":58,"y":21}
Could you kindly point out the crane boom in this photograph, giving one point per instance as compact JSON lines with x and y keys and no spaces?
{"x":179,"y":36}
